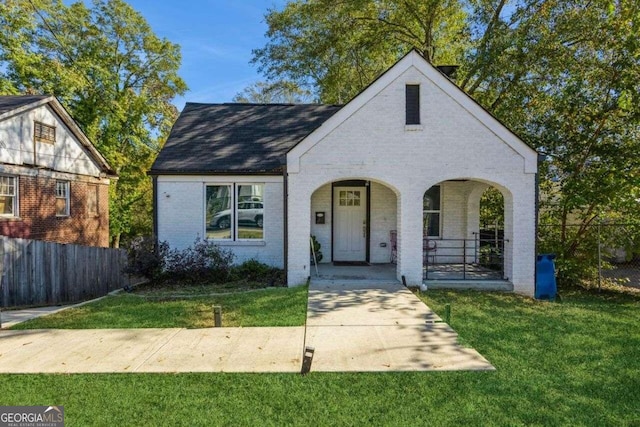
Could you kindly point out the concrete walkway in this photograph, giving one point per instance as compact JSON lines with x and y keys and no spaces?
{"x":380,"y":326}
{"x":13,"y":317}
{"x":151,"y":350}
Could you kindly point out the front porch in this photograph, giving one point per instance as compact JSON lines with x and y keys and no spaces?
{"x":357,"y":221}
{"x":369,"y":230}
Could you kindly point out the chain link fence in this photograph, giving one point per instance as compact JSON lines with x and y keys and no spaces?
{"x":595,"y":254}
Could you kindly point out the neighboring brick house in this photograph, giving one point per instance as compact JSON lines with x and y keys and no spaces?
{"x":401,"y":166}
{"x":54,"y":184}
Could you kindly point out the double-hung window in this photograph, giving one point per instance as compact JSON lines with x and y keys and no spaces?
{"x":431,"y":211}
{"x":234,"y":211}
{"x":8,"y":196}
{"x":62,"y":198}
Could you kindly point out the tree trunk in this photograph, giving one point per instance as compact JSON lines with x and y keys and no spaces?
{"x":115,"y":241}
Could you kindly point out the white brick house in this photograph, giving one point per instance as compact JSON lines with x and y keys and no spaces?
{"x":412,"y":152}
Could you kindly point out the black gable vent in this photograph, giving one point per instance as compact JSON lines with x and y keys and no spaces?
{"x":412,"y":104}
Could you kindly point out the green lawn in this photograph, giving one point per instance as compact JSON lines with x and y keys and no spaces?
{"x":572,"y":363}
{"x":267,"y":307}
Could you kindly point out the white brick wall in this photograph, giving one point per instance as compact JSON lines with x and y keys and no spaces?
{"x":181,"y":215}
{"x":321,"y":202}
{"x":368,"y":140}
{"x":383,"y":219}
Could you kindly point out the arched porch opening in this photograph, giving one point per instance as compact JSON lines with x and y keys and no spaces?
{"x":467,"y":224}
{"x":354,"y":227}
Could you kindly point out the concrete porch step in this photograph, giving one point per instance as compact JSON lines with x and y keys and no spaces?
{"x":481,"y":285}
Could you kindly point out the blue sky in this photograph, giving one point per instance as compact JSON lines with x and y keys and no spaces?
{"x":216,"y":37}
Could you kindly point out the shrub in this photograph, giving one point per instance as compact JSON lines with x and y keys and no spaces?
{"x":255,"y":271}
{"x":204,"y":262}
{"x":146,"y":257}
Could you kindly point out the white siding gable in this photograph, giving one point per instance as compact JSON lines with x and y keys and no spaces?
{"x":67,"y":154}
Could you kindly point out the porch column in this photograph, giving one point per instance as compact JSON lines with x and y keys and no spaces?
{"x":522,"y":239}
{"x":410,"y":237}
{"x":299,"y":231}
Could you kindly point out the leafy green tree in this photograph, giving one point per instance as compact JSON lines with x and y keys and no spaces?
{"x":280,"y":92}
{"x":116,"y":77}
{"x":491,"y":208}
{"x":335,"y":49}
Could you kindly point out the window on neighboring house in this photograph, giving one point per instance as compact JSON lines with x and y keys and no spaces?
{"x":413,"y":104}
{"x":431,"y":211}
{"x":8,"y":196}
{"x":92,"y":200}
{"x":44,"y":133}
{"x":234,"y":211}
{"x":62,"y":198}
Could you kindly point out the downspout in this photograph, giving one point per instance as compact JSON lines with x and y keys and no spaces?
{"x":541,"y":158}
{"x":154,"y":185}
{"x":285,"y":219}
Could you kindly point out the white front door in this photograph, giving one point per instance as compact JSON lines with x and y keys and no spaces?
{"x":349,"y":223}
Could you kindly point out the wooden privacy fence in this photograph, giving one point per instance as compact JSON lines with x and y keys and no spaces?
{"x":45,"y":273}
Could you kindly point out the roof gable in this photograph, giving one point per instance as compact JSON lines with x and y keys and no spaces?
{"x":439,"y":80}
{"x":11,"y":106}
{"x":237,"y":138}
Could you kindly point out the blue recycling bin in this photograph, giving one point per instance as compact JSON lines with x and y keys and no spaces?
{"x":546,"y":277}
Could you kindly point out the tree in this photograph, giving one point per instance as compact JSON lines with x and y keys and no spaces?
{"x":335,"y":49}
{"x":114,"y":75}
{"x":280,"y":92}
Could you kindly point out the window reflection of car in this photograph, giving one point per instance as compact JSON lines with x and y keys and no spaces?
{"x":248,"y":213}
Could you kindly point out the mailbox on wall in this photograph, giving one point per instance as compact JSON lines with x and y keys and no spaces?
{"x":320,"y":217}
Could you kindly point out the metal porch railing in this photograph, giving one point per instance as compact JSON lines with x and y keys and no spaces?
{"x":463,"y":259}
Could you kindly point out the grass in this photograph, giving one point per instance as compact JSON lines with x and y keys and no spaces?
{"x":571,"y":363}
{"x":266,"y":307}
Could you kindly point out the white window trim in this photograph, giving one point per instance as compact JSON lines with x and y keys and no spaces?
{"x":439,"y":236}
{"x":234,"y":240}
{"x":67,"y":198}
{"x":16,"y":198}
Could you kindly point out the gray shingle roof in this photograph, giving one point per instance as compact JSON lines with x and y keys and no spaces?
{"x":11,"y":102}
{"x":237,"y":138}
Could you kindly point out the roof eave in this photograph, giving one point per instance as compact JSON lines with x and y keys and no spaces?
{"x":26,"y":107}
{"x":271,"y":172}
